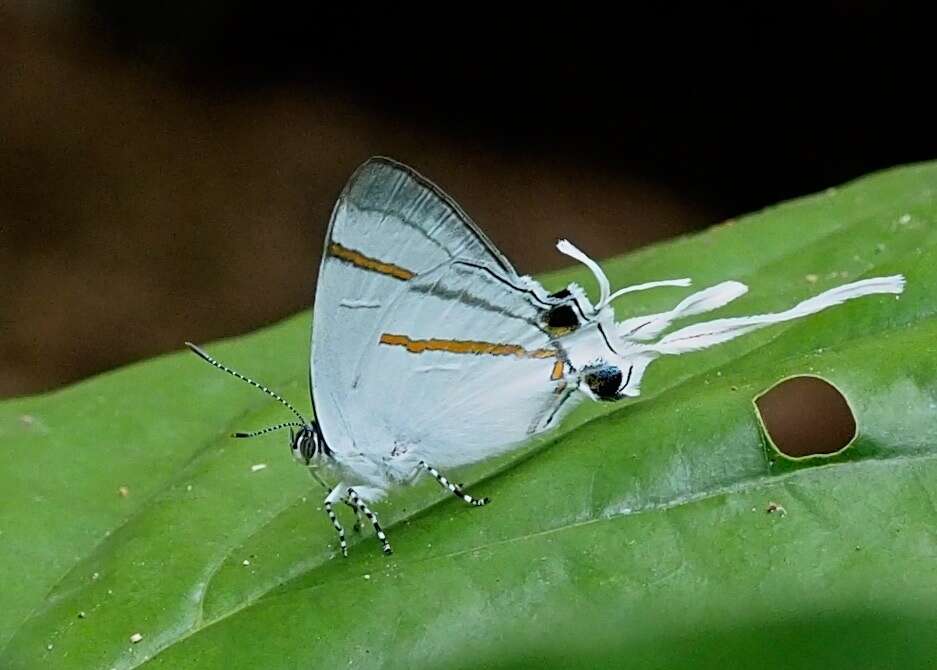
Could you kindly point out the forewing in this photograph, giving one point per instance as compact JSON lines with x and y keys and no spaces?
{"x":389,"y":226}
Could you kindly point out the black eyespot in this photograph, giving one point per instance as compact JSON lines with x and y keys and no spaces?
{"x":562,"y":316}
{"x":604,"y":381}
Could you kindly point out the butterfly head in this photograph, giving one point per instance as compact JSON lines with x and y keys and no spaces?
{"x":307,"y":443}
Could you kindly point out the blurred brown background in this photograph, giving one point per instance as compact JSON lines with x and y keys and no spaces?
{"x":167,"y":169}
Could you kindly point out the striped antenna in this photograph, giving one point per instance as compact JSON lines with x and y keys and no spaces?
{"x":268,"y":429}
{"x":204,"y":356}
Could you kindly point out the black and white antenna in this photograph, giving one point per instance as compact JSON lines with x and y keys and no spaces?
{"x":269,"y":429}
{"x":273,"y":394}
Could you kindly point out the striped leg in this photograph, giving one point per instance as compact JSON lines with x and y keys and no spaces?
{"x":357,"y":526}
{"x":453,"y":488}
{"x":359,"y":503}
{"x":341,"y":531}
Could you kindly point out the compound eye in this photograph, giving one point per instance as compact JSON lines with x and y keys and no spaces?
{"x":604,"y":381}
{"x":296,"y":446}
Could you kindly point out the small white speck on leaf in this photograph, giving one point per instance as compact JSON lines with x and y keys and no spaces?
{"x":123,"y":491}
{"x":257,"y":467}
{"x":136,"y":637}
{"x":367,"y":576}
{"x":811,"y":278}
{"x":82,"y":615}
{"x":96,"y":576}
{"x":904,"y":219}
{"x":776,"y":508}
{"x":188,"y":487}
{"x":245,"y":562}
{"x":49,"y":647}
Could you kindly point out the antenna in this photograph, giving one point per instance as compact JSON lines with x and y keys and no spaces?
{"x":268,"y":429}
{"x":204,"y":356}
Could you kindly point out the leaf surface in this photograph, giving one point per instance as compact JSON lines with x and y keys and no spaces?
{"x":636,"y":534}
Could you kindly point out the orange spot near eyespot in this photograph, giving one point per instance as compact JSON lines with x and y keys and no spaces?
{"x":365,"y":262}
{"x":464,"y":347}
{"x":557,"y":373}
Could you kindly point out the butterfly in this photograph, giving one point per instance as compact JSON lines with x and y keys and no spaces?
{"x":430,"y":351}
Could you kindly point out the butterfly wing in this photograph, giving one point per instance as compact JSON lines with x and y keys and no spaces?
{"x":390,"y":226}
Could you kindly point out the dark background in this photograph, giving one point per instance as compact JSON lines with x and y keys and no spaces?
{"x":167,"y":169}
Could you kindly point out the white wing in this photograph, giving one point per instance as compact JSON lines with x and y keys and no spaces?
{"x":391,"y":228}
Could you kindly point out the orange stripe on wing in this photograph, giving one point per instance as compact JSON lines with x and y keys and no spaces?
{"x":473,"y":347}
{"x":367,"y":263}
{"x":557,"y":373}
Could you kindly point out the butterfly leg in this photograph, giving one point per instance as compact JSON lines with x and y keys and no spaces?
{"x":452,"y":488}
{"x":359,"y":503}
{"x":341,"y":531}
{"x":357,"y":526}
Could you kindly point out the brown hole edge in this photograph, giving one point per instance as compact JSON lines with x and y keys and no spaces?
{"x":806,"y":416}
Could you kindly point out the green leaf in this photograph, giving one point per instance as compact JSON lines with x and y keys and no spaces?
{"x":636,"y":536}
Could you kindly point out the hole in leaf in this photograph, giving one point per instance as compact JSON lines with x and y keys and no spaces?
{"x":806,"y":416}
